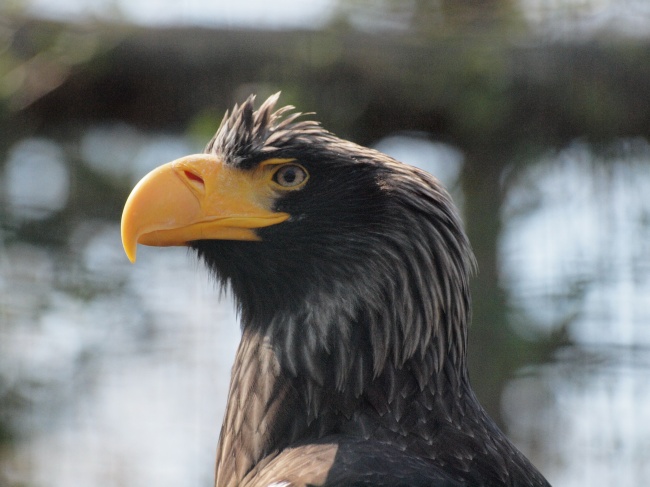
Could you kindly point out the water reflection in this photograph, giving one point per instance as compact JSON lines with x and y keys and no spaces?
{"x":581,"y":248}
{"x":113,"y":374}
{"x":121,"y":387}
{"x":578,"y":258}
{"x":120,"y":151}
{"x":36,"y":179}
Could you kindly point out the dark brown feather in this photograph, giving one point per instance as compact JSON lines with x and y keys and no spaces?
{"x":352,"y":366}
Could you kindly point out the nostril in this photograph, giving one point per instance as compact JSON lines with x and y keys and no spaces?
{"x":194,"y":177}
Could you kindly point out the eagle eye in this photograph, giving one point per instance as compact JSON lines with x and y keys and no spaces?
{"x":290,"y":176}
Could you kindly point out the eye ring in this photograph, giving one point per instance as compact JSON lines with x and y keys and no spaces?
{"x":290,"y":176}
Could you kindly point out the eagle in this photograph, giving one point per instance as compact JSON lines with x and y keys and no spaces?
{"x":351,"y":274}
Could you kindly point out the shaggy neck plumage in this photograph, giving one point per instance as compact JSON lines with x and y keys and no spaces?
{"x":324,"y":358}
{"x":354,"y":313}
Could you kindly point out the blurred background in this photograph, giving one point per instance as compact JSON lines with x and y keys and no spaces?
{"x":535,"y":113}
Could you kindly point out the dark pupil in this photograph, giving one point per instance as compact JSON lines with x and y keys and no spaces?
{"x":289,"y":175}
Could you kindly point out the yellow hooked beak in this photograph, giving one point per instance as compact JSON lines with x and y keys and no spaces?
{"x":197,"y":197}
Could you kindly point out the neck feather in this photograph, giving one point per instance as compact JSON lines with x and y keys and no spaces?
{"x":339,"y":370}
{"x":385,"y":331}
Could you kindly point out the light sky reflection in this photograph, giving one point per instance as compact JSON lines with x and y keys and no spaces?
{"x":575,"y":258}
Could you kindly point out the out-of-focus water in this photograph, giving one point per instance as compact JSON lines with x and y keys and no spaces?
{"x":115,"y":374}
{"x":576,"y":251}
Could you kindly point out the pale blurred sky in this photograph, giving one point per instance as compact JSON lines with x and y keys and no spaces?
{"x":560,"y":17}
{"x":281,"y":13}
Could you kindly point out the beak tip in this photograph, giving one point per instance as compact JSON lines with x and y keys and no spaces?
{"x":129,"y":244}
{"x":130,"y":251}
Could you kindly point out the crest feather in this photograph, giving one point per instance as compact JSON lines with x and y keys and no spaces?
{"x":246,"y":133}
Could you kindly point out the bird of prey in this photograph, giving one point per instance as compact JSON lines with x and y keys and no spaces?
{"x":351,"y":273}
